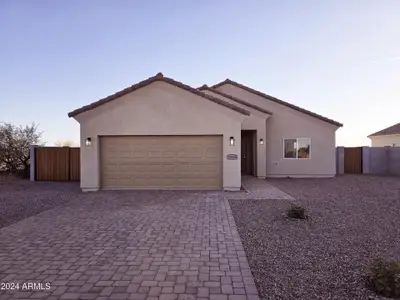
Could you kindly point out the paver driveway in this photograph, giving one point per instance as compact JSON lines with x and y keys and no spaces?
{"x":128,"y":245}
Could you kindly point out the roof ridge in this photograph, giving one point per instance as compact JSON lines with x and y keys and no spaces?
{"x":393,"y":129}
{"x":276,"y":100}
{"x":238,"y":100}
{"x":158,"y":77}
{"x":210,"y":97}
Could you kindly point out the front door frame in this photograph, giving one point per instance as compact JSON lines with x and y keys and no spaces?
{"x":249,"y":152}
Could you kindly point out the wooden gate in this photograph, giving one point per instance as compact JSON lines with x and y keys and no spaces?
{"x":353,"y":160}
{"x":57,"y":163}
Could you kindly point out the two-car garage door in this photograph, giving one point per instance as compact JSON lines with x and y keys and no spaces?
{"x":192,"y":162}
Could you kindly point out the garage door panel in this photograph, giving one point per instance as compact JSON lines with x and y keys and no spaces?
{"x":118,"y":182}
{"x":190,"y":153}
{"x":138,"y":154}
{"x":205,"y":168}
{"x":212,"y":153}
{"x":169,"y":154}
{"x":161,"y":161}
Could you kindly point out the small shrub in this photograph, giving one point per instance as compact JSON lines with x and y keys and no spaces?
{"x":383,"y":277}
{"x":297,"y":212}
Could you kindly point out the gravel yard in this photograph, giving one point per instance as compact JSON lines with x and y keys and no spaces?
{"x":354,"y":219}
{"x":20,"y":199}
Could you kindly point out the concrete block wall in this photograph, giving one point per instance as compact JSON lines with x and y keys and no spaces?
{"x":394,"y":161}
{"x":366,"y":162}
{"x":378,"y":160}
{"x":32,"y":150}
{"x":339,"y":160}
{"x":381,"y":160}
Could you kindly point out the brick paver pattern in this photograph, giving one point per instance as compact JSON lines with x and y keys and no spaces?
{"x":129,"y":245}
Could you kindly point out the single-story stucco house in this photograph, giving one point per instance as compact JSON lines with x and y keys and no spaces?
{"x":162,"y":134}
{"x":388,"y":137}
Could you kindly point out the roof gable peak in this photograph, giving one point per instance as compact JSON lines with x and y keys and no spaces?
{"x":276,"y":100}
{"x":158,"y":77}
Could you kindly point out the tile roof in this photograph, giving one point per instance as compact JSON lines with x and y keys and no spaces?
{"x":394,"y":129}
{"x":158,"y":77}
{"x":206,"y":87}
{"x":276,"y":100}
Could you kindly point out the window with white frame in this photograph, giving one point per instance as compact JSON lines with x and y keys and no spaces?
{"x":297,"y":148}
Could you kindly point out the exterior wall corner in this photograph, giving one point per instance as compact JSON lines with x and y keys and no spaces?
{"x":89,"y":190}
{"x":340,"y":160}
{"x":32,"y":158}
{"x":231,"y":189}
{"x":366,"y":160}
{"x":261,"y":153}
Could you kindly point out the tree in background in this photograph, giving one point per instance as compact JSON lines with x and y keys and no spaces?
{"x":14,"y":147}
{"x":67,"y":143}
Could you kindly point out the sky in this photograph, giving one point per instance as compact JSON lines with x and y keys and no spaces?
{"x":337,"y":58}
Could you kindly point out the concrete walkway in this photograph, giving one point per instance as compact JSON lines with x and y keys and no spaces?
{"x":258,"y":189}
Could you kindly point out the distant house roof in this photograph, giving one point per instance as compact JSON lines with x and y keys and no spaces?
{"x":276,"y":100}
{"x":395,"y":129}
{"x":206,"y":87}
{"x":158,"y":77}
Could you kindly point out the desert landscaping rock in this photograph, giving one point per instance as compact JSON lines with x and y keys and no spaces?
{"x":21,"y":199}
{"x":353,"y":219}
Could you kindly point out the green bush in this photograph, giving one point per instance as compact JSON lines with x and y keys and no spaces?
{"x":383,"y":277}
{"x":297,"y":212}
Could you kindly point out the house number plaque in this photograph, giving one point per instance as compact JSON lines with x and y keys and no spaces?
{"x":232,"y":157}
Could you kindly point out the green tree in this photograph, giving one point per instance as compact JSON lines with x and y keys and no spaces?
{"x":14,"y":146}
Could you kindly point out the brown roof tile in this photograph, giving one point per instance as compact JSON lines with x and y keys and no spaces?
{"x":394,"y":129}
{"x":158,"y":77}
{"x":276,"y":100}
{"x":206,"y":87}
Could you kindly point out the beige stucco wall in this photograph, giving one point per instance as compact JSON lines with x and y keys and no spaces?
{"x":159,"y":109}
{"x":385,"y":140}
{"x":256,"y":121}
{"x":288,"y":123}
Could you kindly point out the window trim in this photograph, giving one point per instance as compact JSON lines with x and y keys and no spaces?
{"x":297,"y":153}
